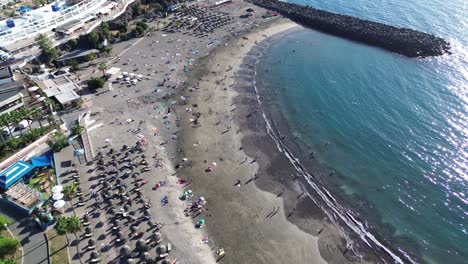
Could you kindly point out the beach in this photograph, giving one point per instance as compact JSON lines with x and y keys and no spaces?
{"x":202,"y":131}
{"x":266,"y":214}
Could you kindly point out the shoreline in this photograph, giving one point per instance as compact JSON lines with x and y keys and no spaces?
{"x":299,"y":215}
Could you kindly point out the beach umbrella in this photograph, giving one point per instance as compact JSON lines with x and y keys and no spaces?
{"x":146,"y":256}
{"x":126,"y":207}
{"x":161,"y":249}
{"x":157,"y":237}
{"x":112,"y":211}
{"x":59,"y":204}
{"x":130,"y":261}
{"x":57,"y":196}
{"x":120,"y":234}
{"x":125,"y":250}
{"x":165,"y":261}
{"x":91,"y":242}
{"x":133,"y":228}
{"x":86,"y":218}
{"x":201,"y":222}
{"x":140,"y":243}
{"x":147,"y":213}
{"x":88,"y":230}
{"x":94,"y":255}
{"x":57,"y":189}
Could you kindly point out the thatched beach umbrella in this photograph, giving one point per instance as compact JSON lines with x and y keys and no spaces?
{"x":86,"y":218}
{"x":145,"y":256}
{"x":157,"y":237}
{"x":161,"y":249}
{"x":125,"y":250}
{"x":95,"y":257}
{"x":91,"y":243}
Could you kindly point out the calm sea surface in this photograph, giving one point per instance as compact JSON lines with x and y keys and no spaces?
{"x":394,"y":129}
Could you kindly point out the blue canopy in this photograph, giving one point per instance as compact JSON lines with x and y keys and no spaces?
{"x":24,"y":9}
{"x":44,"y":160}
{"x":13,"y":173}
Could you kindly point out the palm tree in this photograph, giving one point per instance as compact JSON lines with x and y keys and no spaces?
{"x":69,"y":192}
{"x":16,"y":118}
{"x":103,"y":67}
{"x":3,"y":123}
{"x":67,"y":225}
{"x":26,"y":114}
{"x":36,"y":114}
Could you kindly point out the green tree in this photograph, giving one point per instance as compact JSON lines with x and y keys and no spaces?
{"x":136,"y":10}
{"x":8,"y":261}
{"x":49,"y":53}
{"x":36,"y":114}
{"x":68,"y":225}
{"x":73,"y":64}
{"x":103,"y":67}
{"x":57,"y":141}
{"x":77,"y":129}
{"x":106,"y":34}
{"x":61,"y":226}
{"x":4,"y":221}
{"x":15,"y":119}
{"x":93,"y":39}
{"x":8,"y":246}
{"x":91,"y":56}
{"x":95,"y":83}
{"x":107,"y":49}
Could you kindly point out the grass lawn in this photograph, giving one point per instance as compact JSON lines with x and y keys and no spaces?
{"x":17,"y":254}
{"x":58,"y":248}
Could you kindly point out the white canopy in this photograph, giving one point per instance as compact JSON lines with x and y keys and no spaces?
{"x":57,"y":196}
{"x":57,"y":189}
{"x":32,"y":89}
{"x":59,"y":204}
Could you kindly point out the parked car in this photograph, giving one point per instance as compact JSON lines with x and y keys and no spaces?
{"x":24,"y":124}
{"x":6,"y":130}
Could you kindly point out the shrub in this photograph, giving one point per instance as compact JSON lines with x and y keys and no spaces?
{"x":8,"y":245}
{"x":96,"y":83}
{"x":3,"y":221}
{"x":57,"y":141}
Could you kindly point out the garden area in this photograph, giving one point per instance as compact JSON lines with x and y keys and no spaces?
{"x":9,"y":246}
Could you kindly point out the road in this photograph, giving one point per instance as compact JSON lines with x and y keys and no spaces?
{"x":29,"y":234}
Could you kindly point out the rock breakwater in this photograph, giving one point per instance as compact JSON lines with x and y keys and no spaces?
{"x":404,"y":41}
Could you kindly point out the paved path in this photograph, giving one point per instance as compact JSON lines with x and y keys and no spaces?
{"x":29,"y":234}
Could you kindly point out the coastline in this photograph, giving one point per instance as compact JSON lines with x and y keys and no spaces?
{"x":229,"y":134}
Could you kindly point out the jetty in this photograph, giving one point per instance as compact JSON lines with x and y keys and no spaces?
{"x":404,"y":41}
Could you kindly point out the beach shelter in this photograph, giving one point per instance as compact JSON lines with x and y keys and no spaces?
{"x":57,"y":196}
{"x":57,"y":189}
{"x":15,"y":172}
{"x":44,"y":160}
{"x":59,"y":204}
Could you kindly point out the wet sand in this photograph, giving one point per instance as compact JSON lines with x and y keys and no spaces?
{"x":267,"y":219}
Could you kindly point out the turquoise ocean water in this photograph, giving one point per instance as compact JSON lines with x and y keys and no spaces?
{"x":394,"y":129}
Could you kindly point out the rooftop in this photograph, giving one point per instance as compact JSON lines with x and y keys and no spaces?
{"x":5,"y":72}
{"x":10,"y":90}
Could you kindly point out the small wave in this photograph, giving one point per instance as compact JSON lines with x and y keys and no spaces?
{"x":332,"y":209}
